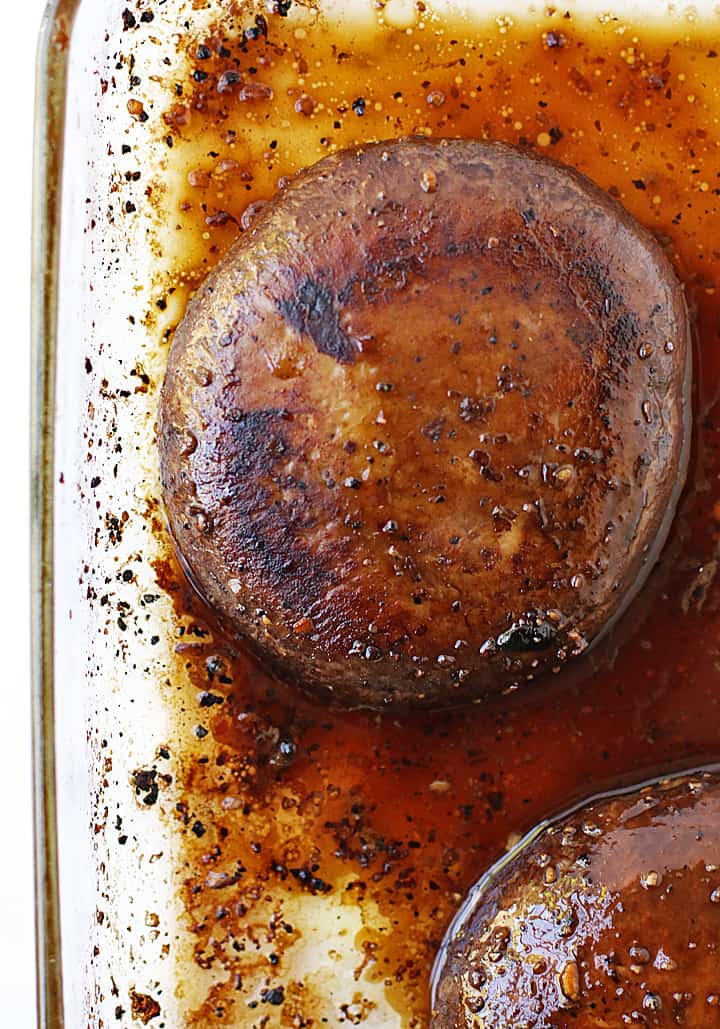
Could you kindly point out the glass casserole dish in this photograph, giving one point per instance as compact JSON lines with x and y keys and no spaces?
{"x":211,"y":847}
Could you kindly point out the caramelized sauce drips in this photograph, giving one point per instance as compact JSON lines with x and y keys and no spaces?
{"x":284,"y":796}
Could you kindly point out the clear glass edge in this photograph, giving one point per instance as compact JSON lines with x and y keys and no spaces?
{"x":51,"y":74}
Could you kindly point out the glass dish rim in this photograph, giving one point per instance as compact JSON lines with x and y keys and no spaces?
{"x":49,"y":123}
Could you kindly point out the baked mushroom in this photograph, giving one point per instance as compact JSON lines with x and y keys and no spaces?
{"x":424,"y":427}
{"x":608,"y":917}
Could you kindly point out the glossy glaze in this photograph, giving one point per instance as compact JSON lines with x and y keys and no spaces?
{"x":610,"y":917}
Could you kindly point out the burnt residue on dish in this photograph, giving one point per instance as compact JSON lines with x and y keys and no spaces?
{"x":285,"y":811}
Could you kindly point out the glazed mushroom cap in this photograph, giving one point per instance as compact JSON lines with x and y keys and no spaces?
{"x":608,"y":917}
{"x":425,"y":426}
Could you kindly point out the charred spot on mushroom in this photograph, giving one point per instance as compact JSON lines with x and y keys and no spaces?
{"x":312,"y":310}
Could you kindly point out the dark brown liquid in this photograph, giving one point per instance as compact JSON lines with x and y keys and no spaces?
{"x":286,"y":796}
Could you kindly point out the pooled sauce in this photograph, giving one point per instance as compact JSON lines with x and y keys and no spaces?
{"x":291,"y":808}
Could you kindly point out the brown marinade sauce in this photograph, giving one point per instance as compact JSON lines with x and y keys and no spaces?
{"x":283,"y":794}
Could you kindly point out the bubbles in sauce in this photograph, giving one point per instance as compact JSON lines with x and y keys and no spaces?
{"x":296,"y":816}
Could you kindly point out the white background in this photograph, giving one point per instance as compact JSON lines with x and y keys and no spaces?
{"x":17,"y":959}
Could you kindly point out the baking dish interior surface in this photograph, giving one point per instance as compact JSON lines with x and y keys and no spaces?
{"x":232,"y":850}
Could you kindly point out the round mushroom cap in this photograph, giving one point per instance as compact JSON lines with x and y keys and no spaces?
{"x":608,"y":917}
{"x":424,"y":427}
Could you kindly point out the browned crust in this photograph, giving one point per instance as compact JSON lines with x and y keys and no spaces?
{"x":404,"y":330}
{"x":610,"y":917}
